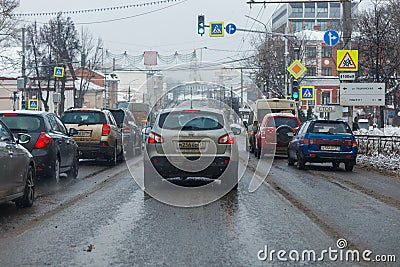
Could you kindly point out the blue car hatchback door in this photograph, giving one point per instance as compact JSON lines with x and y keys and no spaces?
{"x":319,"y":141}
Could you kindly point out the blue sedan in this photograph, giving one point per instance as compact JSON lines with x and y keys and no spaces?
{"x":319,"y":141}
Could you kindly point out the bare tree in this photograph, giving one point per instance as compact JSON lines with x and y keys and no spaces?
{"x":8,"y":23}
{"x":62,"y":38}
{"x":91,"y":51}
{"x":379,"y":44}
{"x":39,"y":58}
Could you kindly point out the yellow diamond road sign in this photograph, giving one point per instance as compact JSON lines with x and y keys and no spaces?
{"x":296,"y":69}
{"x":347,"y":60}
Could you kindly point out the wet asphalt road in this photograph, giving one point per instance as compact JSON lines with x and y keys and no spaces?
{"x":103,"y":218}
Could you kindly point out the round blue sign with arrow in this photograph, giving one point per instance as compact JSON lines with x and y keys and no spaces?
{"x":230,"y":28}
{"x":331,"y":37}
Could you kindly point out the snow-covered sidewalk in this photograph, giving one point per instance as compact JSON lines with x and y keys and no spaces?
{"x":387,"y":163}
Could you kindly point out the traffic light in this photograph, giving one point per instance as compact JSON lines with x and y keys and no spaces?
{"x":200,"y":25}
{"x":295,"y":90}
{"x":23,"y":105}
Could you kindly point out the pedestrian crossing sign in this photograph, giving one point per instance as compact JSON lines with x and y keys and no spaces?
{"x":58,"y":72}
{"x":33,"y":104}
{"x":347,"y":60}
{"x":217,"y":29}
{"x":307,"y":93}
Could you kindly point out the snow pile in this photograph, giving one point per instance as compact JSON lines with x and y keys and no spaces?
{"x":385,"y":164}
{"x":380,"y":150}
{"x":392,"y":131}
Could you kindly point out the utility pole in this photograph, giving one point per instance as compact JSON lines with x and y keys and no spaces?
{"x":23,"y":100}
{"x":347,"y":29}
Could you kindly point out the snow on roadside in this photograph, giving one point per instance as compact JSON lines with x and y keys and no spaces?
{"x":387,"y":164}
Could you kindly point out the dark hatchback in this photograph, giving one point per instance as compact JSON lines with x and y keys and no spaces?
{"x":131,"y":133}
{"x":53,"y":148}
{"x":322,"y":141}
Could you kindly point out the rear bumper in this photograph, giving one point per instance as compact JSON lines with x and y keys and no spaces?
{"x":44,"y":159}
{"x":101,"y":150}
{"x":320,"y":157}
{"x":206,"y":167}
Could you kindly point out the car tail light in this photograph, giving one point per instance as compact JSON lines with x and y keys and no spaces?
{"x":305,"y":141}
{"x":127,"y":129}
{"x":106,"y":129}
{"x":228,"y":139}
{"x":154,"y":138}
{"x":313,"y":142}
{"x":354,"y":143}
{"x":43,"y":140}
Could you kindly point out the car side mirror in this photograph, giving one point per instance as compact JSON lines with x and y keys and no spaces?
{"x":73,"y":131}
{"x":236,"y":131}
{"x":23,"y":138}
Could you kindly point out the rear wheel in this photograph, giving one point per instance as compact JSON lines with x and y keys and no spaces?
{"x":113,"y":160}
{"x":73,"y":172}
{"x":290,"y":161}
{"x":29,"y":192}
{"x":55,"y":170}
{"x":335,"y":165}
{"x":301,"y":163}
{"x":349,"y":166}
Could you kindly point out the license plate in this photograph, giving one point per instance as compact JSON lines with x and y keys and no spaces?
{"x":334,"y":148}
{"x":191,"y":145}
{"x":84,"y":133}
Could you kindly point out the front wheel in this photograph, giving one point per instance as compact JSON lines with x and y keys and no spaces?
{"x":29,"y":192}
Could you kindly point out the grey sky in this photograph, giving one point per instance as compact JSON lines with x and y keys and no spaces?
{"x":174,"y":28}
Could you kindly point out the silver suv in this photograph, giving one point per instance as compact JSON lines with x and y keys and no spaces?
{"x":191,"y":143}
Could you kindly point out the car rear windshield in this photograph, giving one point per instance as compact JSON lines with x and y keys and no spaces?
{"x":335,"y":127}
{"x":279,"y":121}
{"x":79,"y":117}
{"x":191,"y":121}
{"x":119,"y":116}
{"x":23,"y":123}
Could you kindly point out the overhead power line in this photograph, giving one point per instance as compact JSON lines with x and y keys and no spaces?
{"x":95,"y":10}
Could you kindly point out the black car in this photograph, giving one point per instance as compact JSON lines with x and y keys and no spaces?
{"x":131,"y":133}
{"x":17,"y":169}
{"x":53,"y":148}
{"x":319,"y":141}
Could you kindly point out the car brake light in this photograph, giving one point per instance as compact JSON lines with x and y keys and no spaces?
{"x":127,"y":129}
{"x":227,"y":139}
{"x":9,"y":114}
{"x":106,"y":129}
{"x":43,"y":140}
{"x":154,"y":138}
{"x":191,"y":110}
